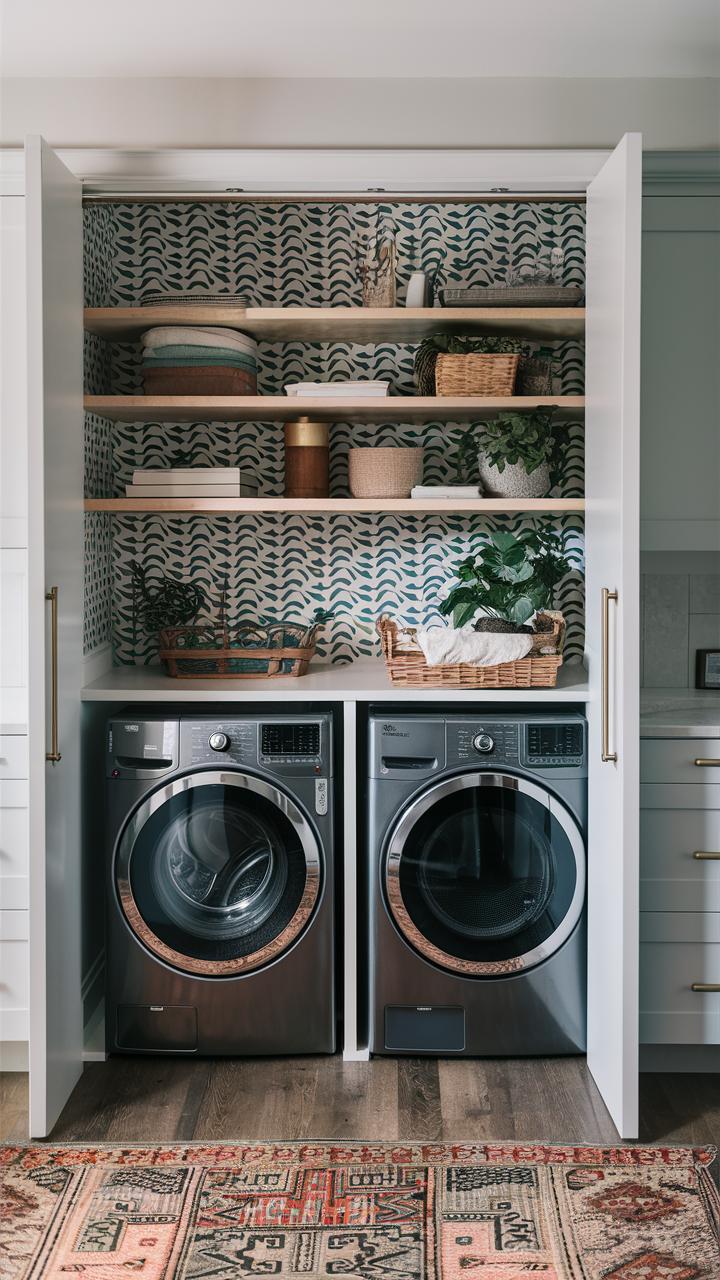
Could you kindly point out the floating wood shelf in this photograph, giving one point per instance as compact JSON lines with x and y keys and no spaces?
{"x":414,"y":409}
{"x":343,"y":324}
{"x":319,"y":506}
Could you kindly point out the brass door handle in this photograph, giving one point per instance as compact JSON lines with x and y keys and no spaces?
{"x":708,"y":764}
{"x":54,"y":755}
{"x":706,"y":986}
{"x":710,"y":857}
{"x":608,"y":756}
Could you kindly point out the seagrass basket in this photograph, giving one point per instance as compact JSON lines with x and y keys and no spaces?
{"x":409,"y":669}
{"x":477,"y":374}
{"x":384,"y":473}
{"x":244,"y":652}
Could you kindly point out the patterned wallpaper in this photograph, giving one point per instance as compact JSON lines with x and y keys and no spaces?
{"x":286,"y":565}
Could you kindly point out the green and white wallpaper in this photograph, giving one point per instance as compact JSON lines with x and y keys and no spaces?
{"x":287,"y":565}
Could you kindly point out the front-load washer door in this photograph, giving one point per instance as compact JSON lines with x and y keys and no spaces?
{"x":218,"y":873}
{"x":485,"y":874}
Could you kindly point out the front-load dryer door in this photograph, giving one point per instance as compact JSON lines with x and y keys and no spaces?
{"x":485,"y":874}
{"x":218,"y":873}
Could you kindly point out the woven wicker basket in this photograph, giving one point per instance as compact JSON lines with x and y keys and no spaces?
{"x":478,"y":374}
{"x":384,"y":473}
{"x":409,"y":669}
{"x":220,"y":652}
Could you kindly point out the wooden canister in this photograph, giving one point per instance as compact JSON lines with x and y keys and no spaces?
{"x":307,"y":459}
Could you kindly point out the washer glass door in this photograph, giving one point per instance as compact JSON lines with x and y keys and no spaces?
{"x":218,"y":873}
{"x":485,"y":874}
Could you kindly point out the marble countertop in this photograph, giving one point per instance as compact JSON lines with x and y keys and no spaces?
{"x":679,"y":713}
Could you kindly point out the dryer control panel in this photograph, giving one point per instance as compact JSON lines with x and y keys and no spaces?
{"x":298,"y":746}
{"x":482,"y":742}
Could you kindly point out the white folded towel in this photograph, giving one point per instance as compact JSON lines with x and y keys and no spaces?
{"x":174,"y":335}
{"x":446,"y":491}
{"x":445,"y":645}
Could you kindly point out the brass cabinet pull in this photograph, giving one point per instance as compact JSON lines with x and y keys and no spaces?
{"x":708,"y":764}
{"x":710,"y":857}
{"x":54,"y":754}
{"x":706,"y":986}
{"x":607,"y":755}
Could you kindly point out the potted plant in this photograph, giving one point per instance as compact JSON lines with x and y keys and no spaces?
{"x":519,"y":454}
{"x":510,"y":579}
{"x":452,"y":344}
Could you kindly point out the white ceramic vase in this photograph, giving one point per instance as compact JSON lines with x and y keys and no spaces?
{"x":514,"y":481}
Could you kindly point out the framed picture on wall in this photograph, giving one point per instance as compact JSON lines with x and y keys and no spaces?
{"x":707,"y":669}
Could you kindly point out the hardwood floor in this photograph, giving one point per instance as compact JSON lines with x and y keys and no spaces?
{"x":145,"y":1099}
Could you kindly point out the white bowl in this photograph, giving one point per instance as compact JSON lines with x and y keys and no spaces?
{"x":336,"y":390}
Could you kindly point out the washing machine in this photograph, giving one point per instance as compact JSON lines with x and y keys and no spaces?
{"x":219,"y":884}
{"x":477,"y":872}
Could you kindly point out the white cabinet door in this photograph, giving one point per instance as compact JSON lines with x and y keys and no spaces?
{"x":55,"y":559}
{"x":612,"y":539}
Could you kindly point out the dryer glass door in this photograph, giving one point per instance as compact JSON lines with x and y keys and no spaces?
{"x":218,"y":873}
{"x":485,"y":874}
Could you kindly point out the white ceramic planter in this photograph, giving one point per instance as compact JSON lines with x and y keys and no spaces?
{"x":514,"y":481}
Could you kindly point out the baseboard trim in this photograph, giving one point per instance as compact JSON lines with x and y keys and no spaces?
{"x":695,"y":1058}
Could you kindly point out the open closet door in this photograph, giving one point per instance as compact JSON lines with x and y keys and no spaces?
{"x":612,"y":489}
{"x":55,"y":563}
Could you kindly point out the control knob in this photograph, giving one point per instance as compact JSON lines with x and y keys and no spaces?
{"x":483,"y":743}
{"x":219,"y":741}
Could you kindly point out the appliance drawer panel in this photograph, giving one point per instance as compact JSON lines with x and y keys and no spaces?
{"x":14,"y":842}
{"x":673,"y":760}
{"x":667,"y":973}
{"x":680,"y":926}
{"x":14,"y":975}
{"x":661,"y":795}
{"x":671,"y":878}
{"x":702,"y":1027}
{"x":14,"y":1024}
{"x":13,"y":755}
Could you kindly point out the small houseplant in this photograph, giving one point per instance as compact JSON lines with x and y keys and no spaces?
{"x":519,"y":454}
{"x":511,"y":578}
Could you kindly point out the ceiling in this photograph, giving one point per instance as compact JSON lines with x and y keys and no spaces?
{"x":372,"y":38}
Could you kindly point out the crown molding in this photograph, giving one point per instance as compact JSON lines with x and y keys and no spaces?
{"x":676,"y":173}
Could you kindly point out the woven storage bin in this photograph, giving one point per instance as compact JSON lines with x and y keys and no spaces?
{"x":478,"y":374}
{"x":408,"y":669}
{"x":237,"y":653}
{"x":384,"y":473}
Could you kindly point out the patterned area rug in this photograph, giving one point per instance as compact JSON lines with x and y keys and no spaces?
{"x":410,"y":1212}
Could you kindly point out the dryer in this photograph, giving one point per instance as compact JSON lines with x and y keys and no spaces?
{"x":477,"y":871}
{"x":219,"y":885}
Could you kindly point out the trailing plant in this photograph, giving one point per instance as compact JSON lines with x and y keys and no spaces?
{"x":455,"y":344}
{"x":528,"y":438}
{"x":166,"y":603}
{"x":512,"y":577}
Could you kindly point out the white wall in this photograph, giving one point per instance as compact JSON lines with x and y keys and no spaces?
{"x":521,"y":112}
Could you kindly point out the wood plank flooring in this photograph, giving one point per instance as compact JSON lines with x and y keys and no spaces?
{"x":145,"y":1099}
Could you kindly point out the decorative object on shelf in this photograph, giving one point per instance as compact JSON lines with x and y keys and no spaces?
{"x":465,"y":456}
{"x":512,"y":577}
{"x":407,"y":666}
{"x":449,"y":365}
{"x":535,"y":373}
{"x":190,"y":482}
{"x":195,"y":299}
{"x":501,"y":295}
{"x":384,"y":473}
{"x":337,"y":390}
{"x":166,"y":603}
{"x":307,"y":459}
{"x":417,"y":290}
{"x":376,"y":262}
{"x":707,"y":668}
{"x":519,"y":454}
{"x":198,"y":361}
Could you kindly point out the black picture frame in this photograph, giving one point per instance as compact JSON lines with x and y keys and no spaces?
{"x":707,"y":669}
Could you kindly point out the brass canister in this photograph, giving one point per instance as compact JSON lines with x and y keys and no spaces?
{"x":307,"y":459}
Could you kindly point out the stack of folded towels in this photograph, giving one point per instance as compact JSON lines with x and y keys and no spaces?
{"x":184,"y":361}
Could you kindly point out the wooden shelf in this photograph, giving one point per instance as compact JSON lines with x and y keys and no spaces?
{"x":321,"y":506}
{"x":343,"y":324}
{"x":410,"y":409}
{"x":365,"y":680}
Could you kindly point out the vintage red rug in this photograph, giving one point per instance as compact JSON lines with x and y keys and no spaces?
{"x":378,"y":1210}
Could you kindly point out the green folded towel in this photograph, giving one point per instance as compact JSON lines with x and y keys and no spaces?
{"x":188,"y":362}
{"x":212,"y":355}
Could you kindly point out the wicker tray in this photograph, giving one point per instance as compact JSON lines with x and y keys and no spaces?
{"x":477,"y":374}
{"x":408,"y":669}
{"x":238,"y":653}
{"x":531,"y":295}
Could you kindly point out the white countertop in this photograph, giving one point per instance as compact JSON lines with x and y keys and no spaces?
{"x":365,"y":680}
{"x":679,"y":713}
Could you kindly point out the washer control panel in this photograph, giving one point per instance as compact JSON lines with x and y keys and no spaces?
{"x":487,"y":744}
{"x":298,"y":746}
{"x":555,"y":746}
